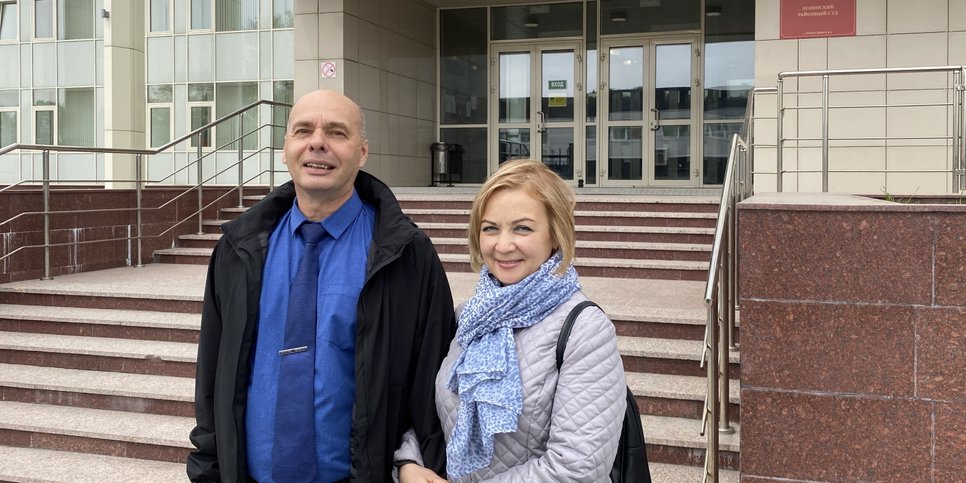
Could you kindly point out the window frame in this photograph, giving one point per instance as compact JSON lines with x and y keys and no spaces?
{"x":16,"y":21}
{"x":16,"y":120}
{"x":169,"y":27}
{"x":211,"y":131}
{"x":150,"y":128}
{"x":54,"y":122}
{"x":211,"y":17}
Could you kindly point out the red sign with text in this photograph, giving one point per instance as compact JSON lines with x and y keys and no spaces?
{"x":802,"y":19}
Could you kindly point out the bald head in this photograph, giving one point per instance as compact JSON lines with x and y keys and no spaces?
{"x":325,"y":96}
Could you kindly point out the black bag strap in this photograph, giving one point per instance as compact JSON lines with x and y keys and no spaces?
{"x":568,"y":325}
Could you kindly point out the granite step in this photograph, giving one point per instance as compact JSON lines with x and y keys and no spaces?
{"x":612,"y":268}
{"x":114,"y":323}
{"x":668,"y":356}
{"x":582,"y":217}
{"x":608,"y":249}
{"x":678,"y":441}
{"x":196,"y":256}
{"x":99,"y":354}
{"x":676,"y":396}
{"x":138,"y":393}
{"x":194,"y":240}
{"x":665,"y":473}
{"x":95,"y":431}
{"x":50,"y":466}
{"x":696,"y":204}
{"x":652,"y":234}
{"x":35,"y":293}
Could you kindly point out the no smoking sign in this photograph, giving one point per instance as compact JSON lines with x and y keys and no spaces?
{"x":328,"y":70}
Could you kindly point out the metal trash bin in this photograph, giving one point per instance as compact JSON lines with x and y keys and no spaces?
{"x":446,"y":163}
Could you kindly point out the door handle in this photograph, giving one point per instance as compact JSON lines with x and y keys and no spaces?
{"x":656,"y":121}
{"x":542,"y":123}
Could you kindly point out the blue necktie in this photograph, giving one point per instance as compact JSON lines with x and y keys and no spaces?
{"x":293,"y":454}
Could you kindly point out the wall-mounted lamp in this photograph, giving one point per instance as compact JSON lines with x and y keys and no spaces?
{"x":105,"y":13}
{"x":713,"y":11}
{"x":618,"y":17}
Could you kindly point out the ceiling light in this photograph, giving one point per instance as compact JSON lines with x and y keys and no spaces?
{"x":531,"y":23}
{"x":618,"y":17}
{"x":713,"y":11}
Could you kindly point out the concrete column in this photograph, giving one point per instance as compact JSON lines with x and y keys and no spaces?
{"x":124,"y":88}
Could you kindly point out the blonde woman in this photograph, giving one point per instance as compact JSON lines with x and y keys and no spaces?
{"x":507,"y":413}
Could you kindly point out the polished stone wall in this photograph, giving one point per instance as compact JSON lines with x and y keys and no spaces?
{"x":853,"y":354}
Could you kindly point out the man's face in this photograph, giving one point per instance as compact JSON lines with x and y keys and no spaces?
{"x":324,"y":148}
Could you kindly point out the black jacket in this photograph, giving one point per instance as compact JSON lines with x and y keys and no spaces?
{"x":405,"y":325}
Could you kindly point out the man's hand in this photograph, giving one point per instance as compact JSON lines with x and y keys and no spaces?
{"x":413,"y":473}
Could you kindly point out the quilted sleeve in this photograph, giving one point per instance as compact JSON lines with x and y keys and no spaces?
{"x":588,"y":409}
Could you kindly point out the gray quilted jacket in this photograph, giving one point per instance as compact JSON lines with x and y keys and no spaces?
{"x":571,"y":421}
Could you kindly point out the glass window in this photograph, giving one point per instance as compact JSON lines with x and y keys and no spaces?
{"x":201,"y":115}
{"x":159,"y":16}
{"x":160,"y":126}
{"x":158,"y":94}
{"x":236,"y":15}
{"x":201,"y":92}
{"x":200,"y":14}
{"x":228,"y":98}
{"x":463,"y":66}
{"x":75,"y":19}
{"x":591,"y":65}
{"x":76,"y":117}
{"x":8,"y":98}
{"x":729,"y":76}
{"x":45,"y":97}
{"x":44,"y":126}
{"x":8,"y":20}
{"x":8,"y":127}
{"x":283,"y":91}
{"x":626,"y":92}
{"x":282,"y":15}
{"x":637,"y":16}
{"x":471,"y":143}
{"x":538,"y":21}
{"x":44,"y":19}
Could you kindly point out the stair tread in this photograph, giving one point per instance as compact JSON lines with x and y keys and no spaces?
{"x":608,"y":262}
{"x":578,"y":213}
{"x":49,"y":466}
{"x":127,"y":318}
{"x":201,"y":236}
{"x":684,"y":247}
{"x":97,"y":423}
{"x":97,"y":382}
{"x":685,"y":432}
{"x":691,"y":388}
{"x":184,"y":251}
{"x":665,"y":348}
{"x":661,"y":472}
{"x":100,"y":346}
{"x":158,"y":281}
{"x":596,"y":228}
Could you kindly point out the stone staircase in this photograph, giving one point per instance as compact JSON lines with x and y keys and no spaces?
{"x":102,"y":363}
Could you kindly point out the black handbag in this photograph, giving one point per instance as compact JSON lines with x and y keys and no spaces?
{"x":630,"y":466}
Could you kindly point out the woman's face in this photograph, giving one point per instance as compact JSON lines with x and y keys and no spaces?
{"x":515,"y":236}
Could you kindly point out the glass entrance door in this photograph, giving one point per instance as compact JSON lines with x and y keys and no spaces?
{"x":649,"y":121}
{"x":537,"y":105}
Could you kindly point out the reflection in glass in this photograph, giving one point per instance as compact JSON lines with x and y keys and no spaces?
{"x":76,"y":112}
{"x":201,"y":115}
{"x":514,"y":143}
{"x":43,"y":19}
{"x":236,"y":15}
{"x":537,"y":21}
{"x":463,"y":66}
{"x":672,"y":153}
{"x":159,"y":15}
{"x":557,"y":150}
{"x":282,"y":91}
{"x":200,"y":14}
{"x":729,"y":76}
{"x":44,"y":127}
{"x":282,"y":17}
{"x":473,"y":142}
{"x":202,"y":92}
{"x":76,"y":20}
{"x":672,"y":89}
{"x":160,"y":126}
{"x":626,"y":83}
{"x":637,"y":16}
{"x":557,"y":100}
{"x":159,"y":93}
{"x":717,"y":146}
{"x":591,"y":86}
{"x":515,"y":87}
{"x":590,"y":174}
{"x":8,"y":127}
{"x":625,"y":146}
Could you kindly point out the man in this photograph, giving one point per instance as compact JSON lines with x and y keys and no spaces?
{"x":384,"y":321}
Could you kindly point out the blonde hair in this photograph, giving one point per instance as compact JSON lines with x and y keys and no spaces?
{"x":544,"y":186}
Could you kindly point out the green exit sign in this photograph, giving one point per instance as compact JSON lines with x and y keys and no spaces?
{"x":557,"y":84}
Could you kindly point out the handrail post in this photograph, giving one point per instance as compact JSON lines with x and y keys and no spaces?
{"x":271,"y":168}
{"x":779,"y":141}
{"x":241,"y":157}
{"x":724,"y":425}
{"x":825,"y":122}
{"x":137,"y":190}
{"x":711,"y":404}
{"x":201,"y":218}
{"x":46,"y":168}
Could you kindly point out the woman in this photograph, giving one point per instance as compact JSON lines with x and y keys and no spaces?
{"x":507,"y":414}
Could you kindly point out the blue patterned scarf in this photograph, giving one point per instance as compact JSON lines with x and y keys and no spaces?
{"x":487,"y":374}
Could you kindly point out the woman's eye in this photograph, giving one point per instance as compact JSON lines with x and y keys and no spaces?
{"x":523,"y":228}
{"x":488,"y":229}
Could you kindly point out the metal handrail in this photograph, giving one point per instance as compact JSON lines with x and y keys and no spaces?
{"x":957,"y":138}
{"x":139,"y":180}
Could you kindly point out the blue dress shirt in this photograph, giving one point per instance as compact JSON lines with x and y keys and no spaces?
{"x":343,"y":254}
